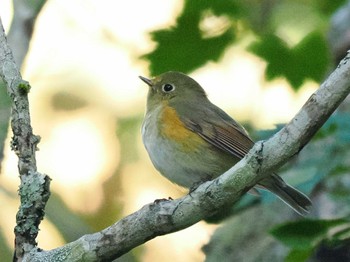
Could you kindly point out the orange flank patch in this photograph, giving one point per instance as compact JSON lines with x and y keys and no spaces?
{"x":174,"y":129}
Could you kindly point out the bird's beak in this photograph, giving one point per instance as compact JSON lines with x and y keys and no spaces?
{"x":146,"y":80}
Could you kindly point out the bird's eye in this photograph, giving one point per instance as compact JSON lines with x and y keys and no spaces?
{"x":168,"y":88}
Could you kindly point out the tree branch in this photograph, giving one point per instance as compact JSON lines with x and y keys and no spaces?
{"x":168,"y":216}
{"x":34,"y":187}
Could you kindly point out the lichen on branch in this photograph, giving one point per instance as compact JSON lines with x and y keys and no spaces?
{"x":34,"y":187}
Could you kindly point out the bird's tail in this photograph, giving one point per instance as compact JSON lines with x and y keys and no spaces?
{"x":288,"y":194}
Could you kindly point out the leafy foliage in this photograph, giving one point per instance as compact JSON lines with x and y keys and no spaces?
{"x":307,"y":60}
{"x":305,"y":235}
{"x":184,"y":47}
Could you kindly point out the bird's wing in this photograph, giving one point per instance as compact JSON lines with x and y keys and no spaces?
{"x":220,"y":130}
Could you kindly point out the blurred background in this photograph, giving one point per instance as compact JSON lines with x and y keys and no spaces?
{"x":258,"y":60}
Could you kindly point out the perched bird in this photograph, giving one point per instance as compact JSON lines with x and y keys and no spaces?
{"x":190,"y":140}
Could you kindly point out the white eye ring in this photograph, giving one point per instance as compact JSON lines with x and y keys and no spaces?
{"x":167,"y":88}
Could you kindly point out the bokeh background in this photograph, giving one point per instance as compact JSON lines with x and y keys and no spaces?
{"x":258,"y":60}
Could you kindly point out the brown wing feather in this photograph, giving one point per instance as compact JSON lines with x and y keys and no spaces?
{"x":215,"y":126}
{"x":228,"y":136}
{"x":234,"y":139}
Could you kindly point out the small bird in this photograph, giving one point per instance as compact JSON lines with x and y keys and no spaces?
{"x":190,"y":140}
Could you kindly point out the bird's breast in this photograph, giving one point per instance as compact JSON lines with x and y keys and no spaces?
{"x":171,"y":127}
{"x":175,"y":151}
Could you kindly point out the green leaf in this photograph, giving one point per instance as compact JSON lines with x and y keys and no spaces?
{"x":311,"y":58}
{"x":185,"y":47}
{"x":307,"y":60}
{"x":304,"y":234}
{"x":329,"y":7}
{"x":276,"y":53}
{"x":298,"y":255}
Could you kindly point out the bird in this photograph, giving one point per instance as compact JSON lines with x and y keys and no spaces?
{"x":190,"y":140}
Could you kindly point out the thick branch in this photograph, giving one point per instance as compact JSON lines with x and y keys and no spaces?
{"x":34,"y":188}
{"x":168,"y":216}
